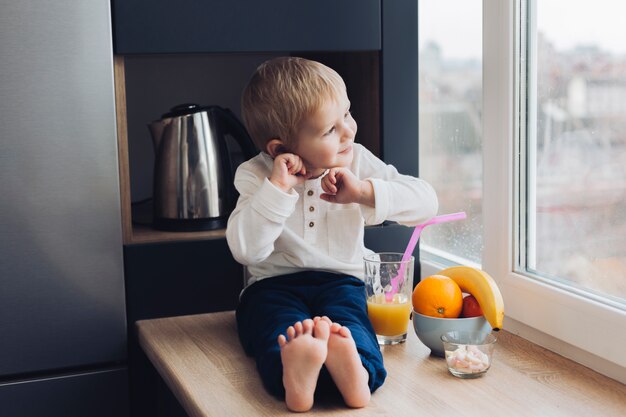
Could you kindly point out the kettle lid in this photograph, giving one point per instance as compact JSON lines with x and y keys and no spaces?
{"x":183,"y":110}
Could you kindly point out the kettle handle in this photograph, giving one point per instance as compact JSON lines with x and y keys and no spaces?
{"x":238,"y":131}
{"x":229,"y":124}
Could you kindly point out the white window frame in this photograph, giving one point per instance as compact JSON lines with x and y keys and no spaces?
{"x":585,"y":330}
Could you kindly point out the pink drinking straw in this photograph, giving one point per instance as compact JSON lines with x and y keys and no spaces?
{"x":411,"y":246}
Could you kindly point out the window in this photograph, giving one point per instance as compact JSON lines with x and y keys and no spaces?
{"x":552,"y":140}
{"x":574,"y":142}
{"x":450,"y":122}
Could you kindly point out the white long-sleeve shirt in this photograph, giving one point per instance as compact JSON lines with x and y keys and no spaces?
{"x":274,"y":232}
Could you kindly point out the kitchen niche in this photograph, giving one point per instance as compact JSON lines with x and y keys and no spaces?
{"x":148,"y":85}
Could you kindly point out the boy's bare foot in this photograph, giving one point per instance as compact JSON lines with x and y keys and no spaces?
{"x":345,"y":367}
{"x":303,"y":353}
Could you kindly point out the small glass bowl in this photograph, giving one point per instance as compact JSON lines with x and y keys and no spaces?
{"x":468,"y":354}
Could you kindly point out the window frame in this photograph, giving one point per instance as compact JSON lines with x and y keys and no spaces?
{"x":549,"y":315}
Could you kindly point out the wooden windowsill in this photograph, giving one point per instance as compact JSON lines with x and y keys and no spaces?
{"x":202,"y":362}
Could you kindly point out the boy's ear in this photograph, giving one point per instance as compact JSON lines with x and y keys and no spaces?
{"x":275,"y":147}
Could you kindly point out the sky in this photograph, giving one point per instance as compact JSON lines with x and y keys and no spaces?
{"x":456,"y":25}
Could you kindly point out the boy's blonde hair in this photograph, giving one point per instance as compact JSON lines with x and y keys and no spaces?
{"x":282,"y":92}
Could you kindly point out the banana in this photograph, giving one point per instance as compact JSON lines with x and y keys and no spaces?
{"x":483,"y":287}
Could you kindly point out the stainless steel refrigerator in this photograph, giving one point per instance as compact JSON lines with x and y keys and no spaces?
{"x":62,"y":308}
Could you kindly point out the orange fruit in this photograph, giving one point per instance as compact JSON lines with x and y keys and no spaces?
{"x":438,"y":296}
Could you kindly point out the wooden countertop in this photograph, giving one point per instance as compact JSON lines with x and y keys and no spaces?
{"x":202,"y":362}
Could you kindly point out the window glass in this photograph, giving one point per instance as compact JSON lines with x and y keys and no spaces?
{"x":450,"y":121}
{"x":576,"y":146}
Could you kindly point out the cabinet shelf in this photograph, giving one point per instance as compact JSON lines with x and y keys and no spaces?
{"x":146,"y":234}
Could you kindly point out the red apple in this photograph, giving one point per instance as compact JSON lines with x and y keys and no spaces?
{"x":471,"y":308}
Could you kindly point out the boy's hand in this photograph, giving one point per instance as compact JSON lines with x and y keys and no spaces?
{"x":288,"y":171}
{"x":341,"y":186}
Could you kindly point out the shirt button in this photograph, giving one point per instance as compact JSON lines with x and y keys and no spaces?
{"x":309,"y":193}
{"x":311,"y":224}
{"x":311,"y":208}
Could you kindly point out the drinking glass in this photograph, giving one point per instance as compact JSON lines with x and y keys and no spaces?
{"x":388,"y":309}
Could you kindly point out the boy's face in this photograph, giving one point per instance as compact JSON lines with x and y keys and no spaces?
{"x":326,"y":136}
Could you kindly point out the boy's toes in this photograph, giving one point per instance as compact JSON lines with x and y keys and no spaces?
{"x":335,"y":327}
{"x":291,"y":333}
{"x":322,"y":330}
{"x":307,"y":326}
{"x":298,"y":327}
{"x":345,"y":332}
{"x":282,"y":340}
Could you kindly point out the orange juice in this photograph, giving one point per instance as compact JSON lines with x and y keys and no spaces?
{"x":389,"y":318}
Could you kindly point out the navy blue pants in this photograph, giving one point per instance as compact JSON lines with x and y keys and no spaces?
{"x":268,"y":307}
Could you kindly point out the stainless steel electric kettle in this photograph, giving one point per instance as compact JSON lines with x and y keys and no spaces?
{"x":197,"y":150}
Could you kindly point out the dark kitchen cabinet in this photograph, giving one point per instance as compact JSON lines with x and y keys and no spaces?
{"x":172,"y":279}
{"x":371,"y":43}
{"x":191,"y":26}
{"x":186,"y":277}
{"x":98,"y":393}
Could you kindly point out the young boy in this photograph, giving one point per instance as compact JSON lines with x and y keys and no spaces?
{"x":298,"y":227}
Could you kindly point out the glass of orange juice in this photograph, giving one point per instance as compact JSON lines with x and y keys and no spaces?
{"x":389,"y":305}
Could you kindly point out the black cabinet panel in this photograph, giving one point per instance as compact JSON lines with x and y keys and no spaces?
{"x":400,"y":86}
{"x":95,"y":394}
{"x":173,"y":279}
{"x":188,"y":26}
